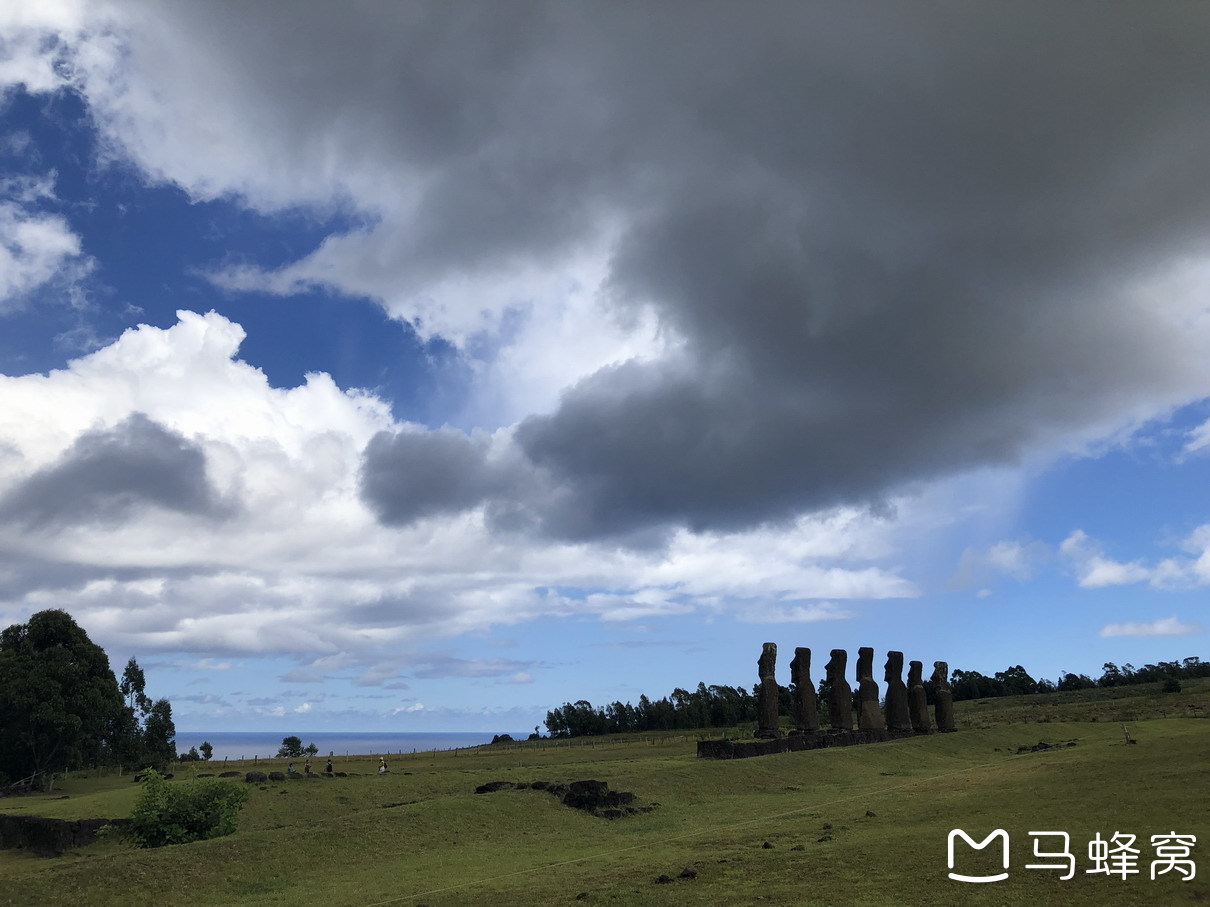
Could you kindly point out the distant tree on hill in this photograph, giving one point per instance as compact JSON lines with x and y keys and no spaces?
{"x":310,"y":749}
{"x":207,"y":750}
{"x":143,"y":734}
{"x":291,"y":747}
{"x":159,"y":732}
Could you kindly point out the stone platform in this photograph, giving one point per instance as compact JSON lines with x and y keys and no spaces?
{"x":792,"y":743}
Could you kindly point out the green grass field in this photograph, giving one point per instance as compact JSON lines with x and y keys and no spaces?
{"x":421,"y":836}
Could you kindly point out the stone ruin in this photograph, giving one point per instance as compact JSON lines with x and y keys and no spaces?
{"x":869,"y":718}
{"x":906,"y":705}
{"x":918,"y":700}
{"x":943,"y":696}
{"x":766,"y":709}
{"x":840,"y":702}
{"x":806,"y":710}
{"x":898,"y":715}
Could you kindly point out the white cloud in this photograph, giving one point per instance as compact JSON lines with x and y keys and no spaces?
{"x":297,"y":565}
{"x":1168,"y":626}
{"x":794,"y":613}
{"x":36,"y":41}
{"x":36,"y":249}
{"x":1011,"y":558}
{"x":1094,"y":570}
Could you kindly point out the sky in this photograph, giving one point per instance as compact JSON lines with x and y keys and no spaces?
{"x":425,"y":366}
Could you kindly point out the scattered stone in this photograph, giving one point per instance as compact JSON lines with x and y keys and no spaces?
{"x":766,"y":846}
{"x":591,"y":796}
{"x":870,"y":814}
{"x":664,"y":880}
{"x":582,"y":896}
{"x":801,"y":847}
{"x":688,"y":873}
{"x":767,"y":694}
{"x":277,"y":776}
{"x":827,"y":826}
{"x":255,"y":777}
{"x":869,"y":718}
{"x":227,"y":775}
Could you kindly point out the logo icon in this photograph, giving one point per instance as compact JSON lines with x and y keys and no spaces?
{"x":959,"y":833}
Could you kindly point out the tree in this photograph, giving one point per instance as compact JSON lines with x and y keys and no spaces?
{"x":291,"y":747}
{"x":183,"y":812}
{"x":159,"y":731}
{"x":207,"y":750}
{"x":134,"y":686}
{"x":1016,"y":681}
{"x":310,"y":749}
{"x":59,"y":699}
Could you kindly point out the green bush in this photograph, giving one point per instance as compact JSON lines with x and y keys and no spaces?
{"x":188,"y":811}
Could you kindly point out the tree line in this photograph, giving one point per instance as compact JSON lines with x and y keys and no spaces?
{"x":61,"y":705}
{"x":1015,"y":681}
{"x":719,"y":706}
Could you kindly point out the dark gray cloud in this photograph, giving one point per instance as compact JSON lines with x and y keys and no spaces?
{"x":409,"y":475}
{"x":896,"y":240}
{"x":107,"y":473}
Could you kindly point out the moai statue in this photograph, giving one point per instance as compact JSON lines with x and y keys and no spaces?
{"x":918,"y":700}
{"x":898,"y":718}
{"x":806,"y":713}
{"x":943,"y":696}
{"x":767,"y":702}
{"x":840,"y":703}
{"x":870,"y":716}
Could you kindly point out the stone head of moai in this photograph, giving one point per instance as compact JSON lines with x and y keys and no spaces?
{"x":894,"y":666}
{"x":839,"y":663}
{"x":915,"y":673}
{"x":941,"y":674}
{"x":767,"y":663}
{"x":865,"y":663}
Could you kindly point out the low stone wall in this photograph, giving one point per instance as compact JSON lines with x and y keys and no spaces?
{"x":792,"y":743}
{"x":49,"y":837}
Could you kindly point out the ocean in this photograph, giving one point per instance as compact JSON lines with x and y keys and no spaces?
{"x":247,"y":744}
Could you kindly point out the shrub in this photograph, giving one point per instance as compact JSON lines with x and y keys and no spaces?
{"x":1172,"y":685}
{"x":179,"y":813}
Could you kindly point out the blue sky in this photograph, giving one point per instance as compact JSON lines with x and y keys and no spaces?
{"x":422,"y":368}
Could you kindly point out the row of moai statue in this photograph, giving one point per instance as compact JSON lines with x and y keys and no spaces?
{"x":906,"y":704}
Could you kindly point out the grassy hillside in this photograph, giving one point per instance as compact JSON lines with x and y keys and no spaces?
{"x":421,"y":836}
